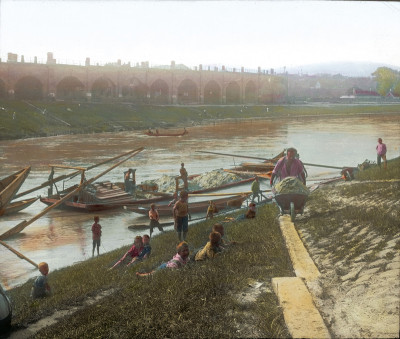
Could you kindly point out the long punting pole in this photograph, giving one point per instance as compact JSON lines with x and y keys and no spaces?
{"x":18,"y":228}
{"x":304,"y":163}
{"x":70,"y":175}
{"x":20,"y":255}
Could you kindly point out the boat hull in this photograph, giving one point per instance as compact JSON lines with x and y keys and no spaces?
{"x":10,"y":185}
{"x":194,"y":207}
{"x":14,"y":207}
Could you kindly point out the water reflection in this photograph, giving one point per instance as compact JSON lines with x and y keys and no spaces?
{"x":64,"y":237}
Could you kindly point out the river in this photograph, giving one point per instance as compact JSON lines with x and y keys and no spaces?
{"x":63,"y":238}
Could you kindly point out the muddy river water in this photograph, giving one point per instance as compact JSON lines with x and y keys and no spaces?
{"x":64,"y":237}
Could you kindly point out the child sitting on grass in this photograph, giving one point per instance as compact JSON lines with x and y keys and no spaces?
{"x":223,"y":242}
{"x":179,"y":260}
{"x":133,"y":252}
{"x":41,"y":288}
{"x":145,"y":252}
{"x":211,"y":249}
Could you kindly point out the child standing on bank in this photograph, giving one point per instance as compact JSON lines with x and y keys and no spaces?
{"x":41,"y":288}
{"x":96,"y":233}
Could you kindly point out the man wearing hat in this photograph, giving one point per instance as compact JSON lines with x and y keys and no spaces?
{"x":289,"y":166}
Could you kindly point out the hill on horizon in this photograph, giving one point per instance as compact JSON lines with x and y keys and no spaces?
{"x":350,"y":68}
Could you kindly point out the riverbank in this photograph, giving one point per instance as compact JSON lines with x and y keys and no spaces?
{"x":350,"y":229}
{"x":40,"y":119}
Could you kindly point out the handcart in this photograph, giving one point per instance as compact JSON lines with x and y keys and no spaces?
{"x":291,"y":203}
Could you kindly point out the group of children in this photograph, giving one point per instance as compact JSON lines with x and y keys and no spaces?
{"x":213,"y":247}
{"x":141,"y":248}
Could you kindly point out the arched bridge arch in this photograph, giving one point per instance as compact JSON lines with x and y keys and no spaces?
{"x":70,"y":88}
{"x":103,"y":88}
{"x":29,"y":88}
{"x":212,"y":93}
{"x":187,"y":92}
{"x":159,"y":92}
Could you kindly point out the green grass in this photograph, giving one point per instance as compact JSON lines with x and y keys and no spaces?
{"x":87,"y":117}
{"x":197,"y":301}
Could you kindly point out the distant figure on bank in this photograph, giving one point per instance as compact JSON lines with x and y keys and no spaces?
{"x":145,"y":252}
{"x":133,"y":252}
{"x":381,"y":153}
{"x":289,"y":166}
{"x":154,"y":219}
{"x":41,"y":288}
{"x":181,"y":215}
{"x":184,"y":176}
{"x":179,"y":260}
{"x":96,"y":235}
{"x":211,"y":249}
{"x":211,"y":210}
{"x":255,"y":189}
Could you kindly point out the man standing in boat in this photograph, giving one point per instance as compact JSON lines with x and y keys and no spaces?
{"x":255,"y":189}
{"x":129,"y":184}
{"x":289,"y":166}
{"x":184,"y":176}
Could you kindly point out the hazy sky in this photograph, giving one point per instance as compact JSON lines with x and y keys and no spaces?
{"x":232,"y":33}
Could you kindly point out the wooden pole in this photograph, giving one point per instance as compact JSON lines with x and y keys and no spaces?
{"x":65,"y":176}
{"x":18,"y":228}
{"x":304,"y":163}
{"x":20,"y":255}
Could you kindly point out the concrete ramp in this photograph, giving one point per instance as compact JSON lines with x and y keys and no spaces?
{"x":301,"y":316}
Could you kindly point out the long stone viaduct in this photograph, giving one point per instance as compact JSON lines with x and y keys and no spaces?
{"x":139,"y":84}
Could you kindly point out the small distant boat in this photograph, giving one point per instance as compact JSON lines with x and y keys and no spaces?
{"x":10,"y":185}
{"x":14,"y":207}
{"x":194,"y":207}
{"x":165,"y":134}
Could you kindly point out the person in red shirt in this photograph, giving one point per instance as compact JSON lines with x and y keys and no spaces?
{"x":96,"y":235}
{"x":133,"y":252}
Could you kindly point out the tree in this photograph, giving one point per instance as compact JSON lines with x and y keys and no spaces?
{"x":387,"y":79}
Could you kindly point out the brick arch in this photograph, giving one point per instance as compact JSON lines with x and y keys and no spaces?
{"x":212,"y":93}
{"x":3,"y":89}
{"x":233,"y":93}
{"x":159,"y":92}
{"x":103,"y":88}
{"x":187,"y":92}
{"x":250,"y":93}
{"x":70,"y":87}
{"x":135,"y":91}
{"x":28,"y":87}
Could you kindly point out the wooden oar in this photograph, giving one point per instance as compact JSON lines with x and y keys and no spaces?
{"x":70,"y":175}
{"x":24,"y":224}
{"x":242,"y":156}
{"x":20,"y":255}
{"x":223,"y":194}
{"x":234,"y":155}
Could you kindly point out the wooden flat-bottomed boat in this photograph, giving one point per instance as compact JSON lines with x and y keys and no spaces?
{"x":10,"y":185}
{"x":16,"y":206}
{"x":194,"y":207}
{"x":165,"y":134}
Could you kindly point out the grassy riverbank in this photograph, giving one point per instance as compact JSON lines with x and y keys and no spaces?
{"x":231,"y":295}
{"x":39,"y":119}
{"x":204,"y":300}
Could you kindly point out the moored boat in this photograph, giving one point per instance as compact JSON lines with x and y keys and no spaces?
{"x":194,"y":207}
{"x":165,"y":134}
{"x":16,"y":206}
{"x":10,"y":185}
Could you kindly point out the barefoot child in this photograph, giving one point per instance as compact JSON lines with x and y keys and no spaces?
{"x":211,"y":249}
{"x":96,"y":234}
{"x":40,"y":287}
{"x":133,"y":252}
{"x":144,"y":254}
{"x":180,"y":259}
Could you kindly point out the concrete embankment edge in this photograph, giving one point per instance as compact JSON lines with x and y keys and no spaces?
{"x":301,"y":316}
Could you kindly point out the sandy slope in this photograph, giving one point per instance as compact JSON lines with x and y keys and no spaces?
{"x":358,"y":296}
